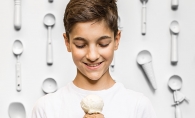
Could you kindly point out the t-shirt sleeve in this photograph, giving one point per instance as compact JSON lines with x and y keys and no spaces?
{"x":145,"y":108}
{"x":38,"y":110}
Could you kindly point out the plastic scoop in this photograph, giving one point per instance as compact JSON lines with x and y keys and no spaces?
{"x":17,"y":50}
{"x":120,"y":25}
{"x":144,"y":16}
{"x":112,"y":65}
{"x":17,"y":14}
{"x":144,"y":58}
{"x":17,"y":110}
{"x":174,"y":29}
{"x":174,"y":4}
{"x":49,"y":21}
{"x":49,"y":85}
{"x":175,"y":83}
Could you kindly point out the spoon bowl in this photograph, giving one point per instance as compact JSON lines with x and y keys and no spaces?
{"x":49,"y":19}
{"x":17,"y":110}
{"x":144,"y":57}
{"x":17,"y":47}
{"x":49,"y":85}
{"x":174,"y":27}
{"x":175,"y":82}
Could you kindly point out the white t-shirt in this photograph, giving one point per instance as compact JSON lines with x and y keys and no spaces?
{"x":119,"y":102}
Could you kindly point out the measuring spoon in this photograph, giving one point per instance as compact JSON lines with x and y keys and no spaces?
{"x":174,"y":29}
{"x":17,"y":50}
{"x":17,"y":110}
{"x":49,"y":85}
{"x":144,"y":58}
{"x":49,"y":21}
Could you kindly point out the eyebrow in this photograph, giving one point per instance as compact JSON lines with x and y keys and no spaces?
{"x":83,"y":39}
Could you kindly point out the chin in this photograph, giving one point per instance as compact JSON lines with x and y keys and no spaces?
{"x":93,"y":78}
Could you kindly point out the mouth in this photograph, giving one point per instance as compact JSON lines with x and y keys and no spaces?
{"x":93,"y":65}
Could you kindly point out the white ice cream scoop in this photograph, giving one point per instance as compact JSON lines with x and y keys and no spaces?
{"x":49,"y":85}
{"x":92,"y":104}
{"x":175,"y":83}
{"x":17,"y":14}
{"x":144,"y":16}
{"x":144,"y":58}
{"x":174,"y":4}
{"x":174,"y":29}
{"x":17,"y":110}
{"x":17,"y":50}
{"x":49,"y":21}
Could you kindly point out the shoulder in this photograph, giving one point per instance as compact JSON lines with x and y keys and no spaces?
{"x":47,"y":103}
{"x":138,"y":101}
{"x":130,"y":94}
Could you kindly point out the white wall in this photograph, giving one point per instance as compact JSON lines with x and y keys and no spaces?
{"x":33,"y":34}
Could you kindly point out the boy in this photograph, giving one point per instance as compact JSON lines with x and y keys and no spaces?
{"x":92,"y":36}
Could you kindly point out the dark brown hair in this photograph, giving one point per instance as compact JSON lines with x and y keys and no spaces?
{"x":90,"y":10}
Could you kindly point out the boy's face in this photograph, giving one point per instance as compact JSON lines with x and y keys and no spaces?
{"x":92,"y":45}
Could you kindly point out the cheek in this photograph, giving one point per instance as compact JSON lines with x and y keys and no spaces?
{"x":107,"y":53}
{"x":77,"y":54}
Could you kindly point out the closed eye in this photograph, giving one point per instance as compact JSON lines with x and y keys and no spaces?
{"x":80,"y":46}
{"x":105,"y":45}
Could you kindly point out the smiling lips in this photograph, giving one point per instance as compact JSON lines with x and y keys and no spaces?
{"x":93,"y":66}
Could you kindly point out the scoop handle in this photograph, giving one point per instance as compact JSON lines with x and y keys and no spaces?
{"x":17,"y":14}
{"x":144,"y":18}
{"x":177,"y":112}
{"x":174,"y":4}
{"x":112,"y":64}
{"x":174,"y":48}
{"x":49,"y":47}
{"x":18,"y":76}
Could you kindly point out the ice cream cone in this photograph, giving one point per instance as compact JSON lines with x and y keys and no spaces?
{"x":148,"y":69}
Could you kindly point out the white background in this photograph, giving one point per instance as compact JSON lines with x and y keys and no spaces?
{"x":33,"y":34}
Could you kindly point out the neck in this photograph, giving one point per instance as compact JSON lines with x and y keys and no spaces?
{"x":104,"y":82}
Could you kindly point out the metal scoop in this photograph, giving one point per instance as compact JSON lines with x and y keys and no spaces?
{"x":174,"y":29}
{"x":144,"y":58}
{"x":17,"y":50}
{"x":49,"y":21}
{"x":17,"y":110}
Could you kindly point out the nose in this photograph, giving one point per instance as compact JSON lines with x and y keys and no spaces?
{"x":92,"y":54}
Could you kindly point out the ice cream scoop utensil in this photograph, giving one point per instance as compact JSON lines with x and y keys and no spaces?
{"x":174,"y":29}
{"x":17,"y":14}
{"x":17,"y":50}
{"x":49,"y":21}
{"x":112,"y":65}
{"x":144,"y":58}
{"x":49,"y":85}
{"x":17,"y":110}
{"x":175,"y":83}
{"x":144,"y":16}
{"x":174,"y":4}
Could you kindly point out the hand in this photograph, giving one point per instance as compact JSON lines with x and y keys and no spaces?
{"x":94,"y":116}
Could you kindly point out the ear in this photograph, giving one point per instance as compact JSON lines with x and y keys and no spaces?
{"x":117,"y":39}
{"x":67,"y":42}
